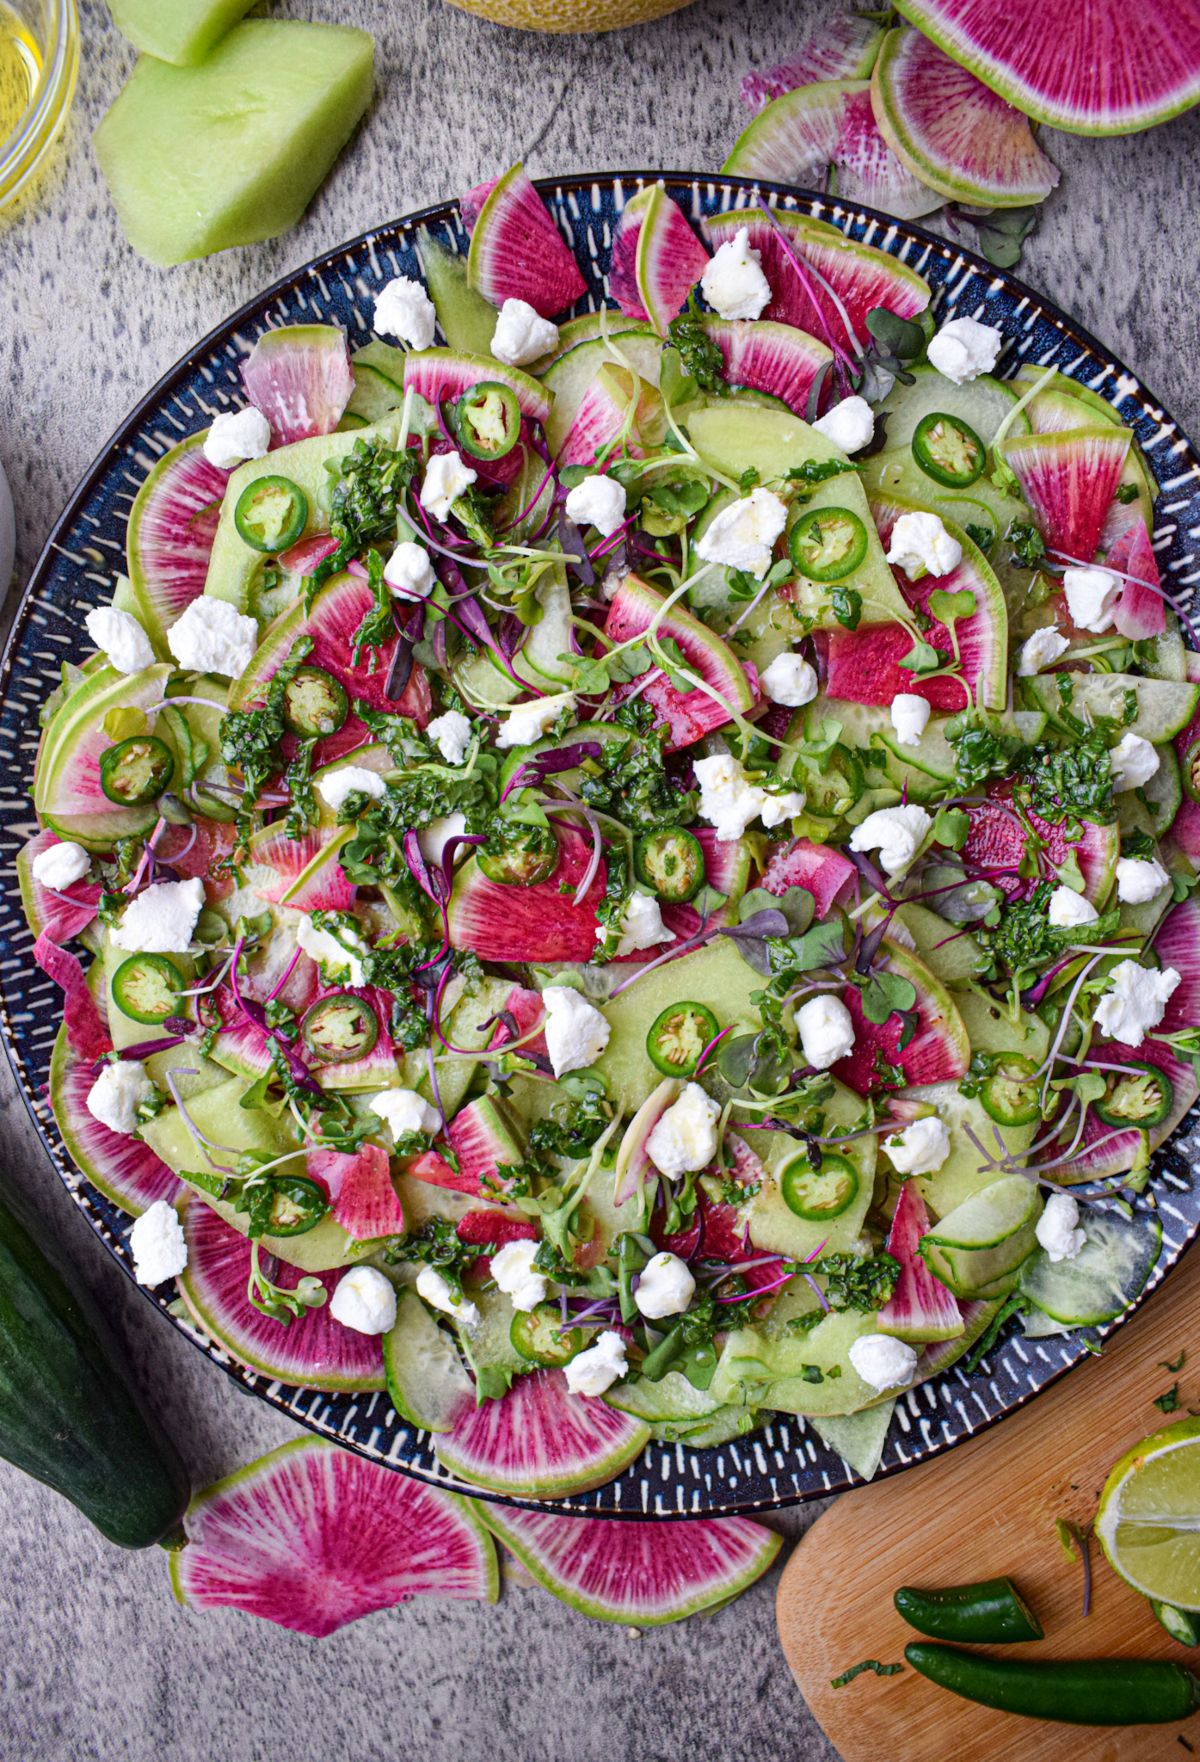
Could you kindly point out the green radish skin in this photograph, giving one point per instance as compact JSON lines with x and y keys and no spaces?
{"x":951,"y":131}
{"x":69,"y":1413}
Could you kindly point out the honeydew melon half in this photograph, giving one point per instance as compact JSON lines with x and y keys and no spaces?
{"x":232,"y":150}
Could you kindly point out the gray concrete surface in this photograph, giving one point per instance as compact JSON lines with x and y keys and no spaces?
{"x":96,"y":1662}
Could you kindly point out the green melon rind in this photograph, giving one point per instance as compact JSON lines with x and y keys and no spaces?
{"x":955,"y":183}
{"x":928,"y":17}
{"x":509,"y":1528}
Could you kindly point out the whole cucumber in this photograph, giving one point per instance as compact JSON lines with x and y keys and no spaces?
{"x":69,"y":1413}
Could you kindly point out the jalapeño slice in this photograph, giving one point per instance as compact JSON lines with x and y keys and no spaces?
{"x":487,"y":420}
{"x":314,"y":702}
{"x":146,"y":988}
{"x":271,"y":513}
{"x":341,"y":1029}
{"x":678,"y":1036}
{"x":538,"y":1338}
{"x":297,"y":1205}
{"x":1009,"y":1094}
{"x":818,"y":1194}
{"x":672,"y":863}
{"x":1191,"y":771}
{"x":827,"y":543}
{"x":524,"y":856}
{"x":948,"y":450}
{"x":136,"y":770}
{"x":1141,"y":1099}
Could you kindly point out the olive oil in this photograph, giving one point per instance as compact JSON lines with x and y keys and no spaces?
{"x":20,"y":69}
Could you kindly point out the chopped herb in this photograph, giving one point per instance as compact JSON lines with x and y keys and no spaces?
{"x":1168,"y":1401}
{"x":873,"y":1664}
{"x":864,"y":1282}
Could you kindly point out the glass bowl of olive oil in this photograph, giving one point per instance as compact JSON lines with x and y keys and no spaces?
{"x":39,"y":61}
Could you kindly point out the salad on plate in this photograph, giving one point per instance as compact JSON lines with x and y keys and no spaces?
{"x":636,"y":871}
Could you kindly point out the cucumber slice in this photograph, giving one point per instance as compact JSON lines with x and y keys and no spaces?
{"x":977,"y":1249}
{"x":425,"y":1376}
{"x":793,"y":1372}
{"x":725,"y":1424}
{"x":1104,"y":1278}
{"x":983,"y":404}
{"x":1164,"y":706}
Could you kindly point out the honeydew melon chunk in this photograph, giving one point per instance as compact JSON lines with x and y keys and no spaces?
{"x":950,"y":951}
{"x":767,"y":1368}
{"x":965,"y":1171}
{"x":858,"y":1438}
{"x":468,"y":321}
{"x":179,"y":31}
{"x":736,"y":437}
{"x":977,"y":1249}
{"x":235,"y":565}
{"x":232,"y":151}
{"x":671,"y":1398}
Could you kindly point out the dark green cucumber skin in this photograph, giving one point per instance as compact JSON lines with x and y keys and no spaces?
{"x":1085,"y":1691}
{"x":69,"y":1413}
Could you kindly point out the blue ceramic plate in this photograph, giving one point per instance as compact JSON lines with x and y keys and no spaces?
{"x":785,"y":1462}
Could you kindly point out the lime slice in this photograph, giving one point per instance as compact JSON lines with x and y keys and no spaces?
{"x":1149,"y":1518}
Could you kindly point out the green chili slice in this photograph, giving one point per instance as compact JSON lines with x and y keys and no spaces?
{"x":146,"y":988}
{"x":538,"y":1337}
{"x":948,"y":450}
{"x":1142,"y":1098}
{"x":677,"y":1037}
{"x":340,"y":1029}
{"x":991,"y":1612}
{"x":314,"y":702}
{"x":670,"y":862}
{"x":271,"y":513}
{"x":487,"y":420}
{"x":1009,"y":1095}
{"x":136,"y":770}
{"x":818,"y":1194}
{"x":827,"y":543}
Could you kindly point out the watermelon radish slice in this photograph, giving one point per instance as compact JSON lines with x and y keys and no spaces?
{"x":283,"y":860}
{"x":825,"y":872}
{"x":540,"y":1441}
{"x":1139,"y":612}
{"x":481,"y":1138}
{"x":123,"y":1168}
{"x":615,"y":406}
{"x":844,"y":49}
{"x":67,"y":781}
{"x":538,"y":923}
{"x":829,"y":130}
{"x":1069,"y":481}
{"x":441,"y":376}
{"x":995,"y":845}
{"x":1092,"y":70}
{"x":920,"y":1308}
{"x":654,"y":240}
{"x":57,"y":915}
{"x":312,"y":1352}
{"x":362,"y":1197}
{"x":938,"y":1052}
{"x":644,"y":1574}
{"x":526,"y":1009}
{"x":952,"y":131}
{"x":172,"y":525}
{"x":435,"y":1171}
{"x":312,"y":1537}
{"x":301,"y":379}
{"x":485,"y":1227}
{"x":863,"y":665}
{"x":622,"y":267}
{"x":770,"y":357}
{"x":87,"y":1033}
{"x":1104,"y":1152}
{"x":691,"y":714}
{"x":322,"y":884}
{"x":517,"y":252}
{"x":860,"y":276}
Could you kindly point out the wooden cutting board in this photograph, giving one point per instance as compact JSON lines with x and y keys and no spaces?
{"x":988,"y":1508}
